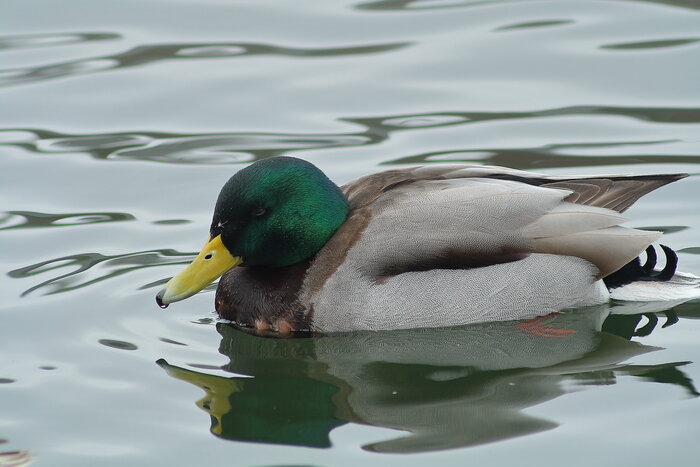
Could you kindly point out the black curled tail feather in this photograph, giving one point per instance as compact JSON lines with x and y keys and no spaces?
{"x":635,"y":271}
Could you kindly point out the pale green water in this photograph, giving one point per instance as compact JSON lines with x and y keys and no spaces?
{"x":120,"y":121}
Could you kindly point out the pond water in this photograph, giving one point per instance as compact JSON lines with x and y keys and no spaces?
{"x":120,"y":121}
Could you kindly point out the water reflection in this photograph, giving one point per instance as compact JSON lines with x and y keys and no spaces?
{"x":115,"y":344}
{"x":423,"y":4}
{"x":535,"y":24}
{"x":24,"y":41}
{"x":149,"y":54}
{"x":551,"y":155}
{"x":446,"y":388}
{"x":650,"y":44}
{"x":218,"y":148}
{"x":628,"y":326}
{"x":691,"y":4}
{"x":412,"y":5}
{"x":30,"y":220}
{"x":234,"y":148}
{"x":91,"y":268}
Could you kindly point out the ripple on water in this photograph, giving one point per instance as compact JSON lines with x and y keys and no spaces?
{"x":645,"y":45}
{"x":552,"y":155}
{"x":518,"y":83}
{"x":231,"y":148}
{"x":236,"y":148}
{"x":23,"y":41}
{"x":172,"y":222}
{"x":29,"y":219}
{"x":422,"y":4}
{"x":91,"y":268}
{"x":535,"y":24}
{"x":115,"y":344}
{"x":170,"y":341}
{"x":425,"y":121}
{"x":149,"y":54}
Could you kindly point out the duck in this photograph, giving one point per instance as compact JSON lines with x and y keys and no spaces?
{"x":429,"y":246}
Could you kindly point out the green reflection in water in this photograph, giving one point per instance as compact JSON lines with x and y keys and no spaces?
{"x":446,"y":388}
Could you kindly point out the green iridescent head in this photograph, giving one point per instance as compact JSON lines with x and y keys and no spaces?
{"x":277,"y":212}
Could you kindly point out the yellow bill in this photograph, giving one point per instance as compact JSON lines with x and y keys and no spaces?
{"x":218,"y":391}
{"x":210,"y":263}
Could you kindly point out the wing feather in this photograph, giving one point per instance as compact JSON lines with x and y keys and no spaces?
{"x":467,"y":216}
{"x":616,"y":192}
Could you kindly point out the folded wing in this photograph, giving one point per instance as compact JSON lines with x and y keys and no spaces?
{"x":464,"y":217}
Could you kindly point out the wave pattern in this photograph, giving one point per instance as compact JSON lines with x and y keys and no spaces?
{"x":548,"y":156}
{"x":185,"y":94}
{"x":651,"y":44}
{"x":91,"y":268}
{"x":412,"y":5}
{"x":30,"y":220}
{"x":150,"y":54}
{"x":235,"y":148}
{"x":30,"y":41}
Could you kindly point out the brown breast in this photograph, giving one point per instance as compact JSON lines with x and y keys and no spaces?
{"x":265,"y":300}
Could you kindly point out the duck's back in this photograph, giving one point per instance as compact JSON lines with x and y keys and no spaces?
{"x":443,"y":246}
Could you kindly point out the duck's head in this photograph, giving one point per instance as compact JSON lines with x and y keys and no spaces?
{"x":274,"y":213}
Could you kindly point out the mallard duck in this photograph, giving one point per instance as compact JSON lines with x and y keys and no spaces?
{"x":419,"y":247}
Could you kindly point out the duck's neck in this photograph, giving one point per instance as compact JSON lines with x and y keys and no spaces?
{"x":263,"y":296}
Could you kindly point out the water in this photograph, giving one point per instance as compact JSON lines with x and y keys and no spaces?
{"x":119,"y":123}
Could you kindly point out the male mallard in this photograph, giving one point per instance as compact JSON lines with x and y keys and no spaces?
{"x":418,"y":247}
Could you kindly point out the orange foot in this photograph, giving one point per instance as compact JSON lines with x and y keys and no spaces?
{"x":538,"y":327}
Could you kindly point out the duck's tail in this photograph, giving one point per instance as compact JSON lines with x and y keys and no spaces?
{"x":643,"y":283}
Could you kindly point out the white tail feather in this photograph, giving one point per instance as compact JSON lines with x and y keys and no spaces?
{"x":681,"y":287}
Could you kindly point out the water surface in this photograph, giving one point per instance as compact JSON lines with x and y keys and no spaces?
{"x":119,"y":123}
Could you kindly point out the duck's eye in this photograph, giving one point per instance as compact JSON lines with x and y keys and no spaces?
{"x":259,"y":211}
{"x":208,"y":256}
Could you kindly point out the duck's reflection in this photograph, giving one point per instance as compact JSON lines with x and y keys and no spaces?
{"x":447,"y":388}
